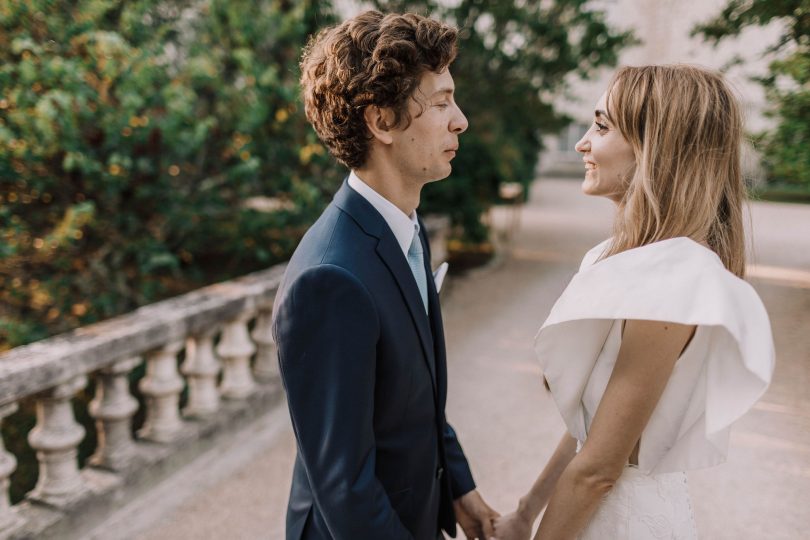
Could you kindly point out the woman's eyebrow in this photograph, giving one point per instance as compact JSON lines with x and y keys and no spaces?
{"x":600,"y":112}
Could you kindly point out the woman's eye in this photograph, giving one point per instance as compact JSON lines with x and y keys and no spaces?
{"x":600,"y":127}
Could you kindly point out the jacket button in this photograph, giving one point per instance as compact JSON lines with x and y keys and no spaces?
{"x":439,"y":473}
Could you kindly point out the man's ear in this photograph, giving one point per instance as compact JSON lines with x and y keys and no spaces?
{"x":379,"y":121}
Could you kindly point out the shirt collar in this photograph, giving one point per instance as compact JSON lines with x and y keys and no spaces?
{"x":402,"y":225}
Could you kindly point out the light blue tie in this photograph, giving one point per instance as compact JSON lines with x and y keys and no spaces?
{"x":416,"y":260}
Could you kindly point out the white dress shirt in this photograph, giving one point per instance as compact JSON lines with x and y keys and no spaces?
{"x":402,"y":225}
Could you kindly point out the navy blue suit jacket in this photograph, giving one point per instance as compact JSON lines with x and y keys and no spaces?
{"x":365,"y":373}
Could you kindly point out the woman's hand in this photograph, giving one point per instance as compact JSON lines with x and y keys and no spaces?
{"x":513,"y":526}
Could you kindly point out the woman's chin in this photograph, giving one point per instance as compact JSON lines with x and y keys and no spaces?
{"x":589,"y":186}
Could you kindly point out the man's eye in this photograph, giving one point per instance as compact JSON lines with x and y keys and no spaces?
{"x":442,"y":105}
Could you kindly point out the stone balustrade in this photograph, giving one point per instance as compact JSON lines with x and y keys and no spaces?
{"x":51,"y":372}
{"x":221,"y":333}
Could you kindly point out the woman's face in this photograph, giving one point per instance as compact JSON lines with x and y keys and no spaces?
{"x":608,"y":157}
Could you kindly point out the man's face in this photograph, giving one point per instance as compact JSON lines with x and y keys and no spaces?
{"x":423,"y":151}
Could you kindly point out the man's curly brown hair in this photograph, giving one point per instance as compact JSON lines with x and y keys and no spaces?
{"x":370,"y":59}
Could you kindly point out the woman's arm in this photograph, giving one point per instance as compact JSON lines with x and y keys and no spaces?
{"x":518,"y":525}
{"x":536,"y":499}
{"x":646,"y":358}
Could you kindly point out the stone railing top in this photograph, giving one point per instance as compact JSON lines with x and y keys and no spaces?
{"x":28,"y":370}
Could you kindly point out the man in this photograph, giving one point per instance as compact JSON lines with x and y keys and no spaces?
{"x":357,"y":318}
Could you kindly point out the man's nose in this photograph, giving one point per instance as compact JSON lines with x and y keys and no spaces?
{"x":459,"y":124}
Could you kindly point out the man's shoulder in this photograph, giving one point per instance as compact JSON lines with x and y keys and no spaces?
{"x":333,"y":240}
{"x":324,"y":278}
{"x":334,"y":237}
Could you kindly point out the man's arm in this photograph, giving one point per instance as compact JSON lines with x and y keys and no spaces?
{"x":461,"y":480}
{"x":472,"y":513}
{"x":326,"y":329}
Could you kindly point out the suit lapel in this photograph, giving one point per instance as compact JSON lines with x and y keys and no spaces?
{"x":389,"y":251}
{"x":436,"y":326}
{"x":391,"y":254}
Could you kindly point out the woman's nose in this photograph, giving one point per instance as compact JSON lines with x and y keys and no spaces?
{"x":584,"y":144}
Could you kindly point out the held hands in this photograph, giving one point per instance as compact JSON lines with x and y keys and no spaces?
{"x":514,"y":526}
{"x":475,"y":516}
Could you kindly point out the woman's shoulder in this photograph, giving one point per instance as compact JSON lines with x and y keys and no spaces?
{"x":594,"y":253}
{"x":675,"y":280}
{"x":680,"y":250}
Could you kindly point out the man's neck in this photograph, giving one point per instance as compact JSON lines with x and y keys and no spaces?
{"x":392,"y":185}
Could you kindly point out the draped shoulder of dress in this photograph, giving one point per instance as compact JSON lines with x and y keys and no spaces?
{"x":722,"y":373}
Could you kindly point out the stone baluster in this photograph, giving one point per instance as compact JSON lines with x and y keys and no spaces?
{"x":162,"y":386}
{"x":265,"y":367}
{"x":8,"y":517}
{"x":113,"y":408}
{"x":201,"y":369}
{"x":235,"y":348}
{"x":56,"y":438}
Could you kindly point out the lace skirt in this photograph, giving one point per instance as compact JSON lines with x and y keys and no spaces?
{"x":644,"y":507}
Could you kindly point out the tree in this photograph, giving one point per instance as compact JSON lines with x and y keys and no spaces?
{"x":514,"y":58}
{"x":131,"y":135}
{"x":786,"y":148}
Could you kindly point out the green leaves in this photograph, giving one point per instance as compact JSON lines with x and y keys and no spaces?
{"x":739,"y":14}
{"x":130,"y":133}
{"x":786,"y":148}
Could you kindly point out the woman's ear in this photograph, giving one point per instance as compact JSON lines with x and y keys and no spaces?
{"x":379,"y":121}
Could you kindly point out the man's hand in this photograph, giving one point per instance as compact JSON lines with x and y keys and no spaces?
{"x":513,"y":526}
{"x":475,"y":516}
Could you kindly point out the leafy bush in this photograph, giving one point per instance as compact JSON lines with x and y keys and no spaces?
{"x":131,"y":136}
{"x":786,"y":148}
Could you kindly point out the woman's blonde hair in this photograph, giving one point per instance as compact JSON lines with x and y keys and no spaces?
{"x":685,"y":127}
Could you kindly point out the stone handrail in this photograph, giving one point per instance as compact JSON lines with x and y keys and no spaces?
{"x":54,"y":370}
{"x":30,"y":369}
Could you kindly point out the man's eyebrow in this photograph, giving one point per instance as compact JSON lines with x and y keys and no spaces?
{"x":446,"y":90}
{"x":600,"y":112}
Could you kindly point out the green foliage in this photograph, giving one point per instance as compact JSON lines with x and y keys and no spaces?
{"x":786,"y":148}
{"x":513,"y":58}
{"x":131,"y":136}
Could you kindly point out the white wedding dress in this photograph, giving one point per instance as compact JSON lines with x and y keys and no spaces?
{"x":725,"y":368}
{"x":640,"y":505}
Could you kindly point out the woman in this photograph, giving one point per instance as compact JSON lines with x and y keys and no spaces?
{"x":657,"y":345}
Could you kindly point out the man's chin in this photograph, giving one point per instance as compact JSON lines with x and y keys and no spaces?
{"x":440,"y":176}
